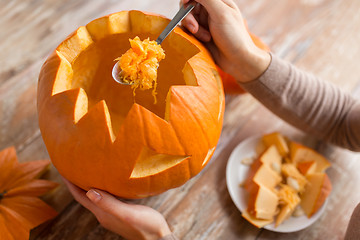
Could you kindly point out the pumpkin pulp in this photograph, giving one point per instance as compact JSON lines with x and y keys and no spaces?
{"x":92,"y":72}
{"x":139,"y":64}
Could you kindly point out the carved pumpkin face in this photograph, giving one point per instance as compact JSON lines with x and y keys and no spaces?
{"x":98,"y":135}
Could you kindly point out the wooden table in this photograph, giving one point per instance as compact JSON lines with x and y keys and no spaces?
{"x":320,"y":36}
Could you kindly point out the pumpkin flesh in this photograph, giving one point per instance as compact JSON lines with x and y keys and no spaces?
{"x":139,"y":64}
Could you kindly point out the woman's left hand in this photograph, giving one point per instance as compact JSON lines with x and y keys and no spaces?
{"x":128,"y":220}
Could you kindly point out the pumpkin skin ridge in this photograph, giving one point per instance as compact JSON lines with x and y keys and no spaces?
{"x":189,"y":147}
{"x":132,"y":194}
{"x":148,"y":142}
{"x":221,"y":97}
{"x":196,"y":120}
{"x":204,"y":54}
{"x":211,"y":146}
{"x":216,"y":88}
{"x":199,"y":98}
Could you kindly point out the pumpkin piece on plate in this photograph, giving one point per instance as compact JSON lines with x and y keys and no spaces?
{"x":291,"y":174}
{"x":261,"y":173}
{"x":278,"y":140}
{"x":300,"y":153}
{"x":306,"y":167}
{"x":288,"y":201}
{"x":285,"y":213}
{"x":262,"y":203}
{"x":265,"y":170}
{"x":272,"y":158}
{"x":315,"y":193}
{"x":255,"y":221}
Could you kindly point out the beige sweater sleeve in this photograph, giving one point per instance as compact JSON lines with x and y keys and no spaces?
{"x":306,"y":102}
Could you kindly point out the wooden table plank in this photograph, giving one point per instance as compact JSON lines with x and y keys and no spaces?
{"x":316,"y":35}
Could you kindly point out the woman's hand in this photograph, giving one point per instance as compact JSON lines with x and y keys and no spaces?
{"x":232,"y":47}
{"x":128,"y":220}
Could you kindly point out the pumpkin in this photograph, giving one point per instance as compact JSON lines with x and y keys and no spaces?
{"x":98,"y":135}
{"x":20,"y":208}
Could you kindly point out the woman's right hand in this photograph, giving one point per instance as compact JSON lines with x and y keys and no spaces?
{"x":219,"y":23}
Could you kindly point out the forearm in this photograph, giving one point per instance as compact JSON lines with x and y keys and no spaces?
{"x":308,"y":103}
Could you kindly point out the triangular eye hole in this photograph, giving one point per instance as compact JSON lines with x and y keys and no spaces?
{"x":150,"y":163}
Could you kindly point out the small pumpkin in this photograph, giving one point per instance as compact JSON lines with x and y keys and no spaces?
{"x":20,"y":208}
{"x":98,"y":135}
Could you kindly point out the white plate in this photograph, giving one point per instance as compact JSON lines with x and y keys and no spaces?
{"x":236,"y":173}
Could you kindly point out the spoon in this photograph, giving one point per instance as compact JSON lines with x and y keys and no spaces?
{"x":116,"y":71}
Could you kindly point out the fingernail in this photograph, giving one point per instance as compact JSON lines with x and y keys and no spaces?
{"x":93,"y":195}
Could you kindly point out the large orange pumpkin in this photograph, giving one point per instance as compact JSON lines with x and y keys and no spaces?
{"x":99,"y":136}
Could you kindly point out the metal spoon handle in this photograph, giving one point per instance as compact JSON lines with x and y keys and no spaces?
{"x":174,"y":22}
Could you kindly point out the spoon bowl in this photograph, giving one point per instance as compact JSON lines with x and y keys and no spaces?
{"x":116,"y":74}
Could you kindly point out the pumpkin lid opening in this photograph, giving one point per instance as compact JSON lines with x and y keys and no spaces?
{"x":91,"y":71}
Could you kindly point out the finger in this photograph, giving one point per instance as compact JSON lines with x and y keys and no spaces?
{"x":191,"y":23}
{"x":203,"y":34}
{"x":204,"y":18}
{"x":200,"y":32}
{"x":79,"y":195}
{"x":108,"y":203}
{"x":197,"y":9}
